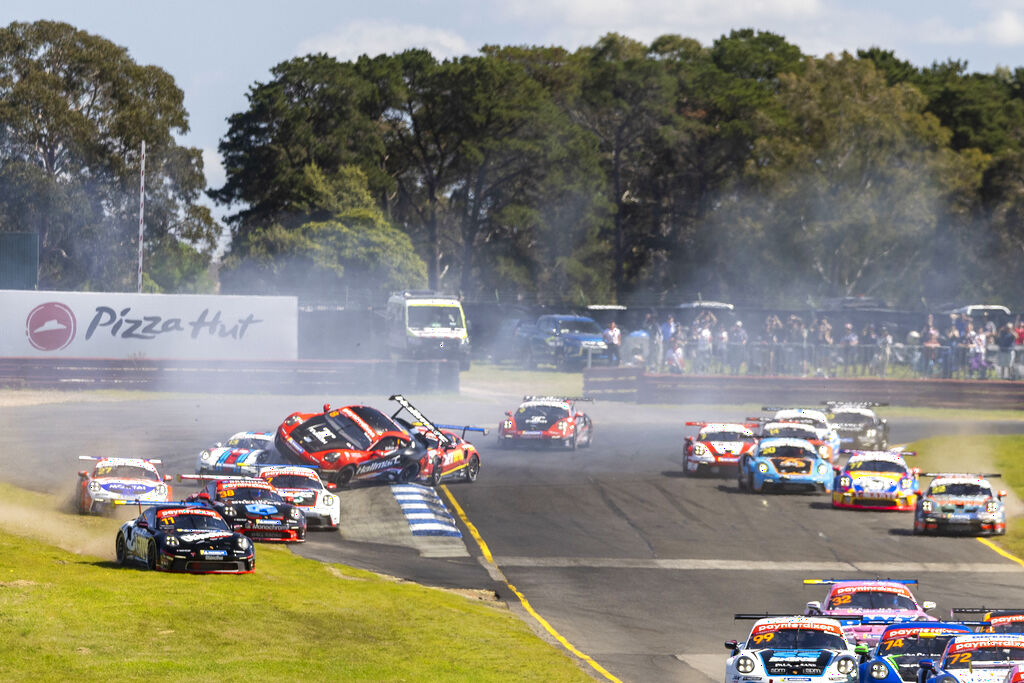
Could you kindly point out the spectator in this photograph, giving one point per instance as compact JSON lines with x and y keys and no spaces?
{"x":737,"y":346}
{"x":675,"y":360}
{"x":884,"y":354}
{"x":979,"y":347}
{"x":669,"y":330}
{"x":704,"y":337}
{"x":613,"y":338}
{"x":849,"y":342}
{"x":1020,"y":332}
{"x":656,"y":343}
{"x":1006,"y":340}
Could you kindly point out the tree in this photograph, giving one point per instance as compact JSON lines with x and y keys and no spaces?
{"x":74,"y":109}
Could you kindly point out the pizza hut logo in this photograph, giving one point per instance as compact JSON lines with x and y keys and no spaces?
{"x":50,"y":326}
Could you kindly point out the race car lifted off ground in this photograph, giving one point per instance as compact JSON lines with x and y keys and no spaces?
{"x":547,"y":420}
{"x":360,"y":443}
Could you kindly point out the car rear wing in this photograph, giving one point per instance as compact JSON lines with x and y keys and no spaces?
{"x":829,"y":582}
{"x":215,"y":477}
{"x":980,"y":475}
{"x":103,"y":457}
{"x":996,"y":611}
{"x":851,"y":451}
{"x":557,"y":398}
{"x":854,"y":404}
{"x":749,"y":425}
{"x":843,"y":619}
{"x":419,"y":417}
{"x":464,"y":429}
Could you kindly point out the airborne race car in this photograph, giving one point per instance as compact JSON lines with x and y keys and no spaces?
{"x":866,"y":607}
{"x":360,"y":443}
{"x":178,"y":537}
{"x":116,"y":480}
{"x":960,"y":504}
{"x":544,"y":420}
{"x":717,"y":446}
{"x":782,"y":649}
{"x":876,"y":480}
{"x":857,"y":424}
{"x":251,"y":506}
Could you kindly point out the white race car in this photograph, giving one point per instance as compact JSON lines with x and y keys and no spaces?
{"x":117,"y":480}
{"x":303,"y":487}
{"x":243,"y":455}
{"x":787,"y":649}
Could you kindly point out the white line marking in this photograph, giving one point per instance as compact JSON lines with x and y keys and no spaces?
{"x":760,"y":566}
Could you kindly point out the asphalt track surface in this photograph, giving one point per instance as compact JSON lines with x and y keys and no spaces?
{"x":634,"y":564}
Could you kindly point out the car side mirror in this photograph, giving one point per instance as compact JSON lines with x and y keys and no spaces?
{"x":289,"y":499}
{"x":927,"y":605}
{"x":327,"y":407}
{"x":142,"y":524}
{"x":168,"y":477}
{"x":813,"y":608}
{"x":331,"y":486}
{"x":508,"y":413}
{"x":732,"y":645}
{"x":863,"y":651}
{"x":1002,"y":494}
{"x":83,"y":474}
{"x":927,"y":669}
{"x":219,"y":444}
{"x":203,"y":495}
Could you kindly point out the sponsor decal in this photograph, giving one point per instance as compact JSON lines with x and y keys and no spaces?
{"x":50,"y":326}
{"x":261,"y":509}
{"x":841,"y":590}
{"x":988,"y":642}
{"x":378,"y":465}
{"x":125,"y":325}
{"x":788,"y":625}
{"x":199,"y":537}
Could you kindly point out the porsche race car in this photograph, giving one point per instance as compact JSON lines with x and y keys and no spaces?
{"x":799,"y":430}
{"x":783,"y":649}
{"x":120,"y":479}
{"x":251,"y":506}
{"x":866,"y":607}
{"x":960,"y":503}
{"x":782,"y":464}
{"x":302,"y":485}
{"x":448,"y":454}
{"x":896,"y":656}
{"x":876,"y":480}
{"x":547,"y":420}
{"x":995,"y":620}
{"x":242,"y":455}
{"x":857,"y":424}
{"x":976,"y":658}
{"x":177,"y":537}
{"x":817,"y":419}
{"x":717,"y":446}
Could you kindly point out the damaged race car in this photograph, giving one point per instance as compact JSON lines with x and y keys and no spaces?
{"x":114,"y":480}
{"x":303,"y":488}
{"x":960,"y":503}
{"x":547,"y":420}
{"x":178,"y":537}
{"x":250,"y":506}
{"x":362,"y":444}
{"x":792,"y":648}
{"x":717,"y":447}
{"x":857,"y":424}
{"x":876,"y":480}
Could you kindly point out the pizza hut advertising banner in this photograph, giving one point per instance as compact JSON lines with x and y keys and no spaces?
{"x":157,"y":326}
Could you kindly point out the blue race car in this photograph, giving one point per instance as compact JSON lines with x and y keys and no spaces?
{"x":785,"y":464}
{"x":900,"y":649}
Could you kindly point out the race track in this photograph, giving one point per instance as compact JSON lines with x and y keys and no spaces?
{"x":634,"y":564}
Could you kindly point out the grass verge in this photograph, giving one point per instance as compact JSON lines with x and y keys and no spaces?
{"x":509,"y":379}
{"x":81,"y":617}
{"x":988,"y":453}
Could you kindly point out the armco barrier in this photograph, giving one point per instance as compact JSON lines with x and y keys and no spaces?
{"x":632,"y":384}
{"x":327,"y":377}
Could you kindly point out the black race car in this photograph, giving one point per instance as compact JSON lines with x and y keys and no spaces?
{"x":251,"y":506}
{"x":176,"y":537}
{"x":858,"y":426}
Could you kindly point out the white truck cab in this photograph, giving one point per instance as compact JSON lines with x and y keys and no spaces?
{"x":427,"y":324}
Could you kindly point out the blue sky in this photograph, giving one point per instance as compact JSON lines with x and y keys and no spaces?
{"x":217,"y":49}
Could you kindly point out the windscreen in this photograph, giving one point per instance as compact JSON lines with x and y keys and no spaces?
{"x":794,"y":431}
{"x":840,"y":417}
{"x":983,"y":657}
{"x":125,"y":472}
{"x":539,"y":417}
{"x":249,"y":493}
{"x":796,"y":639}
{"x":191,"y":522}
{"x":442,"y":317}
{"x":292,"y":481}
{"x":350,"y":435}
{"x":725,"y":435}
{"x":574,"y":326}
{"x":875,"y":466}
{"x":966,"y":490}
{"x":930,"y":647}
{"x":250,"y":443}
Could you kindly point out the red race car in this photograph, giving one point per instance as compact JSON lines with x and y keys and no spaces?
{"x":717,"y":446}
{"x":547,"y":420}
{"x":360,"y":443}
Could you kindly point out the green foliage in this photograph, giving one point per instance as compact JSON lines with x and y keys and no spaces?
{"x":74,"y":110}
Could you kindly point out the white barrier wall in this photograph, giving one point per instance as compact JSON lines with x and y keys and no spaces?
{"x":157,"y":326}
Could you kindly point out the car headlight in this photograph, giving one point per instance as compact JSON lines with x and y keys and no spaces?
{"x":926,"y":506}
{"x":242,"y":543}
{"x":762,"y":467}
{"x":204,"y":455}
{"x":907,"y":483}
{"x":293,"y":420}
{"x":878,"y":670}
{"x":328,"y":499}
{"x":822,"y":469}
{"x":172,"y":541}
{"x":845,"y":482}
{"x":744,"y":664}
{"x":94,"y":486}
{"x":823,"y":451}
{"x":296,"y":513}
{"x":846,"y":666}
{"x":508,"y":424}
{"x":229,"y":511}
{"x":870,"y":433}
{"x":700,"y":449}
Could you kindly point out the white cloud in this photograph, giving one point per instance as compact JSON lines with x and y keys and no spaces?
{"x":1005,"y":28}
{"x":213,"y":168}
{"x":374,"y":37}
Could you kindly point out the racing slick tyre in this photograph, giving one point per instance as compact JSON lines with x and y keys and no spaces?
{"x":435,"y":473}
{"x":409,"y":473}
{"x":120,"y":549}
{"x":473,"y":468}
{"x":151,"y":556}
{"x":570,"y":443}
{"x":343,"y":477}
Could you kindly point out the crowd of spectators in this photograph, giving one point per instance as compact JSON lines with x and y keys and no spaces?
{"x":953,"y":345}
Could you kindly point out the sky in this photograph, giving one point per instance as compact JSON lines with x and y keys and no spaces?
{"x":217,"y":49}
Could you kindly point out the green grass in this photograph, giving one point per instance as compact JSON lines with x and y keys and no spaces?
{"x":78,"y":617}
{"x":988,"y":453}
{"x":513,"y":379}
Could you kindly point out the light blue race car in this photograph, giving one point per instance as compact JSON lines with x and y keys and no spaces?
{"x":785,"y":464}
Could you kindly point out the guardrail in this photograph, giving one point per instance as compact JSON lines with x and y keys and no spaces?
{"x":629,"y":384}
{"x":275,"y":377}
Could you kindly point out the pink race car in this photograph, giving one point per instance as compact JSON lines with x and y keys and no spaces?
{"x":865,"y":608}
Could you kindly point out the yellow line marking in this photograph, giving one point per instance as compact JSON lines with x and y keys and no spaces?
{"x":1000,"y":551}
{"x":522,"y":598}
